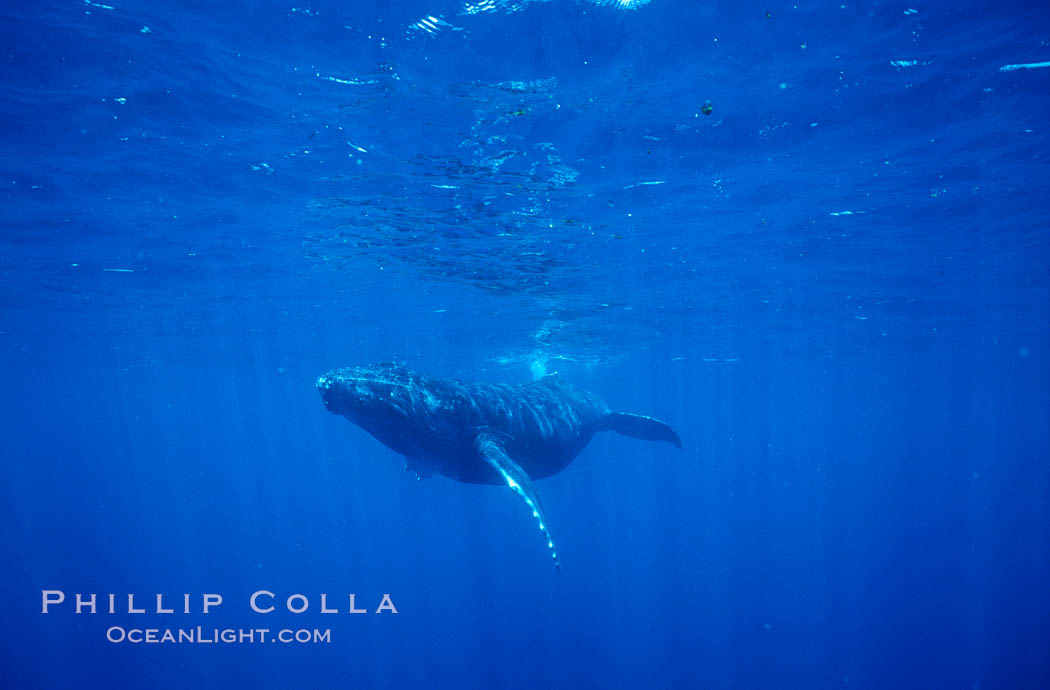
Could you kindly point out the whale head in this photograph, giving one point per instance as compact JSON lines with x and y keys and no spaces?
{"x":380,"y":398}
{"x":360,"y":393}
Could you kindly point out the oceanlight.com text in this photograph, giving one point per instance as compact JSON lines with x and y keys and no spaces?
{"x":201,"y":635}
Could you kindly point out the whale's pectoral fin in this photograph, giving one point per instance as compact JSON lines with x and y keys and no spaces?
{"x":639,"y":426}
{"x":491,"y":450}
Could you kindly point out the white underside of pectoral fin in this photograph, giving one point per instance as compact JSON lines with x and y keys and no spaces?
{"x":491,"y":450}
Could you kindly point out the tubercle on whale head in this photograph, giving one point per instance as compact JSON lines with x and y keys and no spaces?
{"x":324,"y":385}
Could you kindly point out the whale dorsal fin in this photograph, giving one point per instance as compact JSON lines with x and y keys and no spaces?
{"x":640,"y":426}
{"x":490,"y":447}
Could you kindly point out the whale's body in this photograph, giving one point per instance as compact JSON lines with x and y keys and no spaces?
{"x":476,"y":432}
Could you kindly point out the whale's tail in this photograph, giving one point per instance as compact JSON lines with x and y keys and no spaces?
{"x":639,"y":426}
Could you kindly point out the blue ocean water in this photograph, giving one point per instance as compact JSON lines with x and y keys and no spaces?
{"x":834,"y":283}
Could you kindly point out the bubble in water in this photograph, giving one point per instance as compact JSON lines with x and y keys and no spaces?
{"x":538,"y":368}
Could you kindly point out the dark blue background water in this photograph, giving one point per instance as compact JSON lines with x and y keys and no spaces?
{"x":838,"y":293}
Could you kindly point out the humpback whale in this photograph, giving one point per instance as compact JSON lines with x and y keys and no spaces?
{"x":477,"y":432}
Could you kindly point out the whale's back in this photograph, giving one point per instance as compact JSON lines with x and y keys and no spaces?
{"x":545,"y":424}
